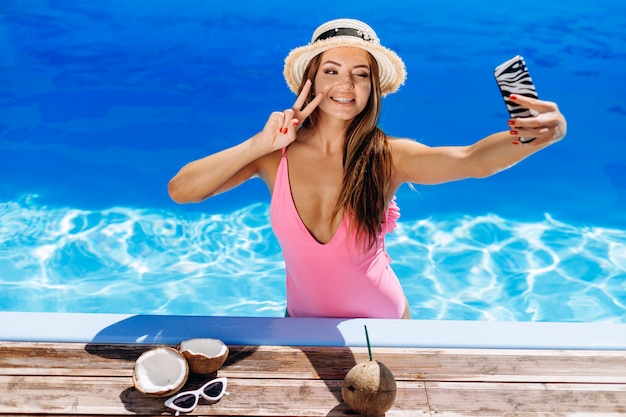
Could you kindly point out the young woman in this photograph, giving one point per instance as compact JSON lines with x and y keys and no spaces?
{"x":332,"y":173}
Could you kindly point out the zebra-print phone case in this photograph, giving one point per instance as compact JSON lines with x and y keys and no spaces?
{"x":513,"y":78}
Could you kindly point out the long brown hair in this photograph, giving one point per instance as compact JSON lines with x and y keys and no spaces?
{"x":366,"y":162}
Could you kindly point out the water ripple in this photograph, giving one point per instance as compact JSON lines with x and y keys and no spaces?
{"x":128,"y":260}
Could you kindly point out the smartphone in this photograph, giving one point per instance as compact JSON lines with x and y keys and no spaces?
{"x":513,"y":78}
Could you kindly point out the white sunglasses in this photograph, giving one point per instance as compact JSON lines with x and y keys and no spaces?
{"x":186,"y":401}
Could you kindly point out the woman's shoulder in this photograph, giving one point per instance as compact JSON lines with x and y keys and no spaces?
{"x":399,"y":145}
{"x":406,"y":155}
{"x":267,"y":166}
{"x":268,"y":160}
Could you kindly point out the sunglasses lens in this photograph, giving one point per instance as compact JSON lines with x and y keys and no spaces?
{"x":186,"y":401}
{"x":214,"y":390}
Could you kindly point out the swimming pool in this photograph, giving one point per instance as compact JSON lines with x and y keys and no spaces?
{"x":102,"y":103}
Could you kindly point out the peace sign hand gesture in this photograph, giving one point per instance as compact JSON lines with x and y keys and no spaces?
{"x":281,"y":127}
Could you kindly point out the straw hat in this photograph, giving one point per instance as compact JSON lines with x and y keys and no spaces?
{"x":346,"y":32}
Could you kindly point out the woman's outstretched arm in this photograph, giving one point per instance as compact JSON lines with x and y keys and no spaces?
{"x":418,"y":163}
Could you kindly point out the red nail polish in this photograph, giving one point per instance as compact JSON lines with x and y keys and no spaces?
{"x":517,"y":142}
{"x":511,"y":122}
{"x":513,"y":97}
{"x":513,"y":132}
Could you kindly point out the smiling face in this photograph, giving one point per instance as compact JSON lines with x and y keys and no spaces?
{"x":344,"y":75}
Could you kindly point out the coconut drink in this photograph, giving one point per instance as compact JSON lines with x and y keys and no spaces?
{"x":160,"y":372}
{"x":369,"y":388}
{"x":204,"y":355}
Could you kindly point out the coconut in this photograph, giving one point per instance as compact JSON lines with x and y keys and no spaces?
{"x":204,"y":356}
{"x":369,"y":388}
{"x":160,"y":372}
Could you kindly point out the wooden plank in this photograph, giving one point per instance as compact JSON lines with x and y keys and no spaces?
{"x":518,"y":399}
{"x":333,"y":362}
{"x":19,"y":358}
{"x":460,"y":364}
{"x":519,"y":366}
{"x":247,"y":397}
{"x":75,"y":379}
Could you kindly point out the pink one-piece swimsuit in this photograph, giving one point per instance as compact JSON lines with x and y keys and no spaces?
{"x":334,"y":279}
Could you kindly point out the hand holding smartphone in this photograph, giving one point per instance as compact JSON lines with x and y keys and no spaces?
{"x":513,"y":78}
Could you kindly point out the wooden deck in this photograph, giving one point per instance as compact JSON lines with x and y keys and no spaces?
{"x":84,"y":379}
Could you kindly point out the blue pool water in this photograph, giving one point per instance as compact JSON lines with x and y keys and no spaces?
{"x":102,"y":102}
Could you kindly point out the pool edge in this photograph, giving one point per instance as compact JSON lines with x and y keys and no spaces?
{"x":154,"y":329}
